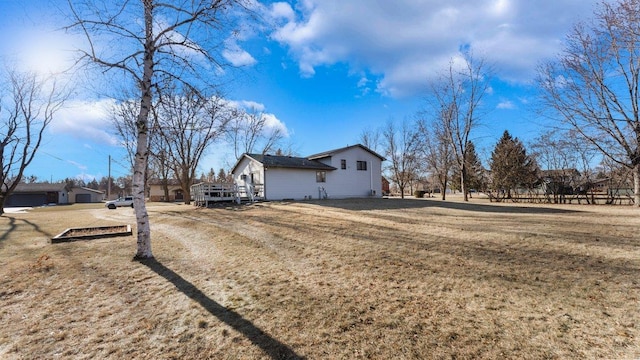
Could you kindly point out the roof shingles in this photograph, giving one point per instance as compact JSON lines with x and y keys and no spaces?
{"x":291,"y":162}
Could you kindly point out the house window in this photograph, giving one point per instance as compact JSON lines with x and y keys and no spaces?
{"x":321,"y":176}
{"x":362,"y":165}
{"x":343,"y":164}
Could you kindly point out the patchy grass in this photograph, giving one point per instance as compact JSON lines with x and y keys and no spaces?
{"x":328,"y":279}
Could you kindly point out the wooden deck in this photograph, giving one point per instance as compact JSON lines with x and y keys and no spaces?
{"x":207,"y":194}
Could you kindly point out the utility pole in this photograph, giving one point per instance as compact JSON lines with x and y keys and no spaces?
{"x":109,"y":181}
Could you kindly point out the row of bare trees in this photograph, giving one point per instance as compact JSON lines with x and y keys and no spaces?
{"x":419,"y":159}
{"x":440,"y":138}
{"x":590,"y":94}
{"x":185,"y":124}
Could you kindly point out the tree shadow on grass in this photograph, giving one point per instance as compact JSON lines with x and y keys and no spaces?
{"x":272,"y":347}
{"x":10,"y":229}
{"x":14,"y":224}
{"x":392,"y":203}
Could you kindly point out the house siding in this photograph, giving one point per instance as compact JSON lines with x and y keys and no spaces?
{"x":351,"y":182}
{"x":249,"y":167}
{"x":85,"y":195}
{"x":297,"y":184}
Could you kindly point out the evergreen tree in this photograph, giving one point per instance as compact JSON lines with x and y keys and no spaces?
{"x":475,"y":170}
{"x":211,"y":175}
{"x":511,"y":167}
{"x":223,"y":177}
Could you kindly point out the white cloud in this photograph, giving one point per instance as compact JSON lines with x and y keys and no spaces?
{"x":87,"y":120}
{"x":506,"y":105}
{"x":363,"y":85}
{"x":406,"y":42}
{"x":252,"y":105}
{"x":282,"y":10}
{"x":78,"y":165}
{"x":271,"y":120}
{"x":236,"y":55}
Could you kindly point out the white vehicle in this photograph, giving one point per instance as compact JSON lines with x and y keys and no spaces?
{"x":125,"y":201}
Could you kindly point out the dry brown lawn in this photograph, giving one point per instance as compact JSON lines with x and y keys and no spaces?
{"x":348,"y":279}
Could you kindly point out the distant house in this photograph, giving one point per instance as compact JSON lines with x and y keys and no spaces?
{"x":559,"y":181}
{"x":38,"y":194}
{"x":85,"y":195}
{"x":156,"y":190}
{"x":386,"y":186}
{"x":352,"y":171}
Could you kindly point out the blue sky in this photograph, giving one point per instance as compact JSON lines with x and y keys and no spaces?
{"x":323,"y":69}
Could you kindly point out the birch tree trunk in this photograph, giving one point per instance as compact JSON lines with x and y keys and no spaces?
{"x":142,"y":148}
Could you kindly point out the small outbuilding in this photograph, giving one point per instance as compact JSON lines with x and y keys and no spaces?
{"x":85,"y":195}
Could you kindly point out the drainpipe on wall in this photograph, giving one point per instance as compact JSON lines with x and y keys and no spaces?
{"x":370,"y":177}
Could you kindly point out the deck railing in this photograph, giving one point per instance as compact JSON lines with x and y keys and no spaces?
{"x":204,"y":194}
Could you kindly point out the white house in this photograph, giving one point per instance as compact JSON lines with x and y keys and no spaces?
{"x":352,"y":171}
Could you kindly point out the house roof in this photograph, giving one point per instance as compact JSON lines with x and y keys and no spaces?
{"x":87,"y":189}
{"x":40,"y":187}
{"x":560,"y":172}
{"x":291,"y":162}
{"x":335,"y":151}
{"x":157,"y":181}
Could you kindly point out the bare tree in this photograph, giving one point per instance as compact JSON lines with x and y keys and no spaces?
{"x":25,"y":112}
{"x":123,"y":118}
{"x":401,"y":148}
{"x":456,"y":97}
{"x":475,"y":172}
{"x":594,"y":85}
{"x":250,"y":131}
{"x":371,"y":138}
{"x":173,"y":41}
{"x":186,"y":124}
{"x":159,"y":165}
{"x":618,"y":178}
{"x":563,"y":154}
{"x":438,"y":155}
